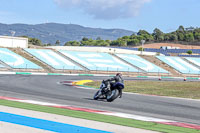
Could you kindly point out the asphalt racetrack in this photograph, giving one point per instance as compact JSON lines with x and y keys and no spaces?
{"x":47,"y":89}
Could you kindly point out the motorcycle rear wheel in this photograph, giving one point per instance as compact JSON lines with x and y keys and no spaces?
{"x":113,"y":95}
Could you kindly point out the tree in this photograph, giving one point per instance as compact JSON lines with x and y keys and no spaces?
{"x":122,"y":43}
{"x":35,"y":41}
{"x":114,"y":43}
{"x":118,"y":43}
{"x":189,"y":37}
{"x":189,"y":52}
{"x":180,"y":32}
{"x":67,"y":44}
{"x":106,"y":43}
{"x":133,"y":42}
{"x":143,"y":32}
{"x":75,"y":43}
{"x":197,"y":36}
{"x":181,"y":36}
{"x":72,"y":43}
{"x":98,"y":38}
{"x":158,"y":35}
{"x":160,"y":38}
{"x":140,"y":38}
{"x":167,"y":37}
{"x":24,"y":36}
{"x":125,"y":37}
{"x":48,"y":44}
{"x":173,"y":37}
{"x":133,"y":37}
{"x":85,"y":39}
{"x":147,"y":37}
{"x":57,"y":43}
{"x":99,"y":42}
{"x":140,"y":49}
{"x":102,"y":43}
{"x":180,"y":29}
{"x":91,"y":42}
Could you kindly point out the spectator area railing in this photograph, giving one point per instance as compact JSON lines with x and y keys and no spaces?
{"x":98,"y":61}
{"x":53,"y":59}
{"x":142,"y":63}
{"x":179,"y":52}
{"x":16,"y":61}
{"x":179,"y":64}
{"x":167,"y":52}
{"x":184,"y":55}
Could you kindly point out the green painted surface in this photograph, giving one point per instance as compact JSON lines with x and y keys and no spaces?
{"x":86,"y":75}
{"x":164,"y":77}
{"x":192,"y":78}
{"x":24,"y":73}
{"x":142,"y":76}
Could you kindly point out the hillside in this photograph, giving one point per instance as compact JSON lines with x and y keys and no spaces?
{"x":50,"y":32}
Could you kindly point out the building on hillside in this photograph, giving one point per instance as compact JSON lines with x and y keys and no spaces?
{"x":168,"y":47}
{"x":13,"y":42}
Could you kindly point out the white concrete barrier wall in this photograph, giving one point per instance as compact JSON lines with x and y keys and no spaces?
{"x":13,"y":42}
{"x":101,"y":49}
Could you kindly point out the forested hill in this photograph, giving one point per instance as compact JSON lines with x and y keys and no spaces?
{"x":51,"y":32}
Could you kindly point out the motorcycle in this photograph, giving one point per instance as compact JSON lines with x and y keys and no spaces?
{"x":109,"y":92}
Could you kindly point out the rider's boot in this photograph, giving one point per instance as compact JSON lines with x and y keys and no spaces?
{"x":120,"y":93}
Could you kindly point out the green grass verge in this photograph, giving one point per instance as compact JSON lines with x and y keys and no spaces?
{"x":163,"y":88}
{"x":101,"y":118}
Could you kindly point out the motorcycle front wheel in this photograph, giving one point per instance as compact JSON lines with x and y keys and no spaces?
{"x":97,"y":95}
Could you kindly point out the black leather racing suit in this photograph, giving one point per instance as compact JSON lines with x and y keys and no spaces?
{"x":116,"y":78}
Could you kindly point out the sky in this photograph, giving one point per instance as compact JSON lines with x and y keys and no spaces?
{"x":134,"y":15}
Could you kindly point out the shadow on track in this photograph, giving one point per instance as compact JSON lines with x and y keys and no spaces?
{"x":99,"y":100}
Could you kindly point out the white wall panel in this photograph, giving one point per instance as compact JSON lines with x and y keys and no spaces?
{"x":14,"y":42}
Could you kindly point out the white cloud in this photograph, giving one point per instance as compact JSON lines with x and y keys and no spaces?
{"x":105,"y":9}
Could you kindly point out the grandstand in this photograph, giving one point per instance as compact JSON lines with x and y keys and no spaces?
{"x":194,"y":61}
{"x":16,"y":61}
{"x":52,"y":59}
{"x":142,"y":63}
{"x":101,"y":60}
{"x":180,"y":65}
{"x":1,"y":66}
{"x":98,"y":61}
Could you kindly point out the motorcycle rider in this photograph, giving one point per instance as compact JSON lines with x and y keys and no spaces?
{"x":116,"y":79}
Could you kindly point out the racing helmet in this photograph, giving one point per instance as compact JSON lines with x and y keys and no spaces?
{"x":118,"y":74}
